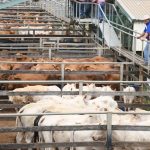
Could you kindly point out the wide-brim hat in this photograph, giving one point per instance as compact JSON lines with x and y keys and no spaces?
{"x":146,"y":17}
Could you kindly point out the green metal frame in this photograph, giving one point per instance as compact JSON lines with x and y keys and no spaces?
{"x":11,"y":3}
{"x":124,"y":11}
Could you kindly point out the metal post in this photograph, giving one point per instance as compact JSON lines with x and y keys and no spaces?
{"x":92,"y":13}
{"x":57,"y":44}
{"x":50,"y":53}
{"x":121,"y":75}
{"x":103,"y":35}
{"x":120,"y":34}
{"x":134,"y":48}
{"x":109,"y":13}
{"x":109,"y":35}
{"x":40,"y":42}
{"x":62,"y":74}
{"x":80,"y":87}
{"x":127,"y":69}
{"x":148,"y":42}
{"x":79,"y":11}
{"x":76,"y":5}
{"x":33,"y":32}
{"x":141,"y":77}
{"x":109,"y":131}
{"x":28,"y":30}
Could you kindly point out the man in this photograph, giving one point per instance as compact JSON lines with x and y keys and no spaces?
{"x":146,"y":36}
{"x":85,"y":9}
{"x":101,"y":4}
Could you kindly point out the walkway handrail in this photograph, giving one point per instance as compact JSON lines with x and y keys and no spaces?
{"x":124,"y":27}
{"x":127,"y":39}
{"x":117,"y":13}
{"x":56,"y":8}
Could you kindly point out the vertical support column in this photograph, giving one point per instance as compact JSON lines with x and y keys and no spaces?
{"x":115,"y":57}
{"x":109,"y":131}
{"x":41,"y":43}
{"x":80,"y":87}
{"x":120,"y":37}
{"x":62,"y":75}
{"x":127,"y":70}
{"x":134,"y":49}
{"x":121,"y":75}
{"x":141,"y":77}
{"x":34,"y":32}
{"x":57,"y":44}
{"x":50,"y":53}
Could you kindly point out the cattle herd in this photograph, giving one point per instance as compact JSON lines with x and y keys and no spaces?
{"x":76,"y":103}
{"x":89,"y":69}
{"x":56,"y":67}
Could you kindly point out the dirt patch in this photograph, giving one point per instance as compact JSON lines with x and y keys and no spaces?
{"x":7,"y":137}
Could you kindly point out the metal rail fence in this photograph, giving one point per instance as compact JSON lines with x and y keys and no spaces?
{"x":108,"y":128}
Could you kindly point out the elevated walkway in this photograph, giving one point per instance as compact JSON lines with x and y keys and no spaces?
{"x":116,"y":36}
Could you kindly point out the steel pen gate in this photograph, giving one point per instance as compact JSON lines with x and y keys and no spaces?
{"x":108,"y":143}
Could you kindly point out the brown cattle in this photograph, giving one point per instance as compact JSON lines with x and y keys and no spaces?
{"x":56,"y":67}
{"x":26,"y":77}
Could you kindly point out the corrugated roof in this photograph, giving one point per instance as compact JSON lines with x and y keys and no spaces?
{"x":135,"y":9}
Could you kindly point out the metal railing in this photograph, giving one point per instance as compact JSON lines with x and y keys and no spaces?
{"x":56,"y":8}
{"x":107,"y":128}
{"x":127,"y":36}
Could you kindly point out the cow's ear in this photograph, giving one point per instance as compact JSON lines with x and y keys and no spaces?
{"x":86,"y":67}
{"x":87,"y":84}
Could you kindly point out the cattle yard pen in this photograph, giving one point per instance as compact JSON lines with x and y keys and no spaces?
{"x":35,"y":33}
{"x":109,"y":127}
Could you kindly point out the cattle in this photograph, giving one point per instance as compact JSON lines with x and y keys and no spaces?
{"x":104,"y":68}
{"x":6,"y":31}
{"x":19,"y":99}
{"x":58,"y":104}
{"x":127,"y":135}
{"x":37,"y":30}
{"x":73,"y":120}
{"x":25,"y":77}
{"x":127,"y":98}
{"x":68,"y":136}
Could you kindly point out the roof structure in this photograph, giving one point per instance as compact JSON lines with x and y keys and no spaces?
{"x":134,"y":9}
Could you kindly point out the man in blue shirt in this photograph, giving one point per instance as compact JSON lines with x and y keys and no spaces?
{"x":146,"y":36}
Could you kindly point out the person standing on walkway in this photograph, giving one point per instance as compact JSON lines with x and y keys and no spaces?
{"x":101,"y":9}
{"x":146,"y":36}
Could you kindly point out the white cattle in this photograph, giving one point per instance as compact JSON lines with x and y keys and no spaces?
{"x":69,"y":88}
{"x":56,"y":105}
{"x":127,"y":135}
{"x":52,"y":104}
{"x":24,"y":121}
{"x":106,"y":89}
{"x":25,"y":30}
{"x":88,"y":87}
{"x":68,"y":136}
{"x":101,"y":104}
{"x":18,"y":99}
{"x":128,"y":99}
